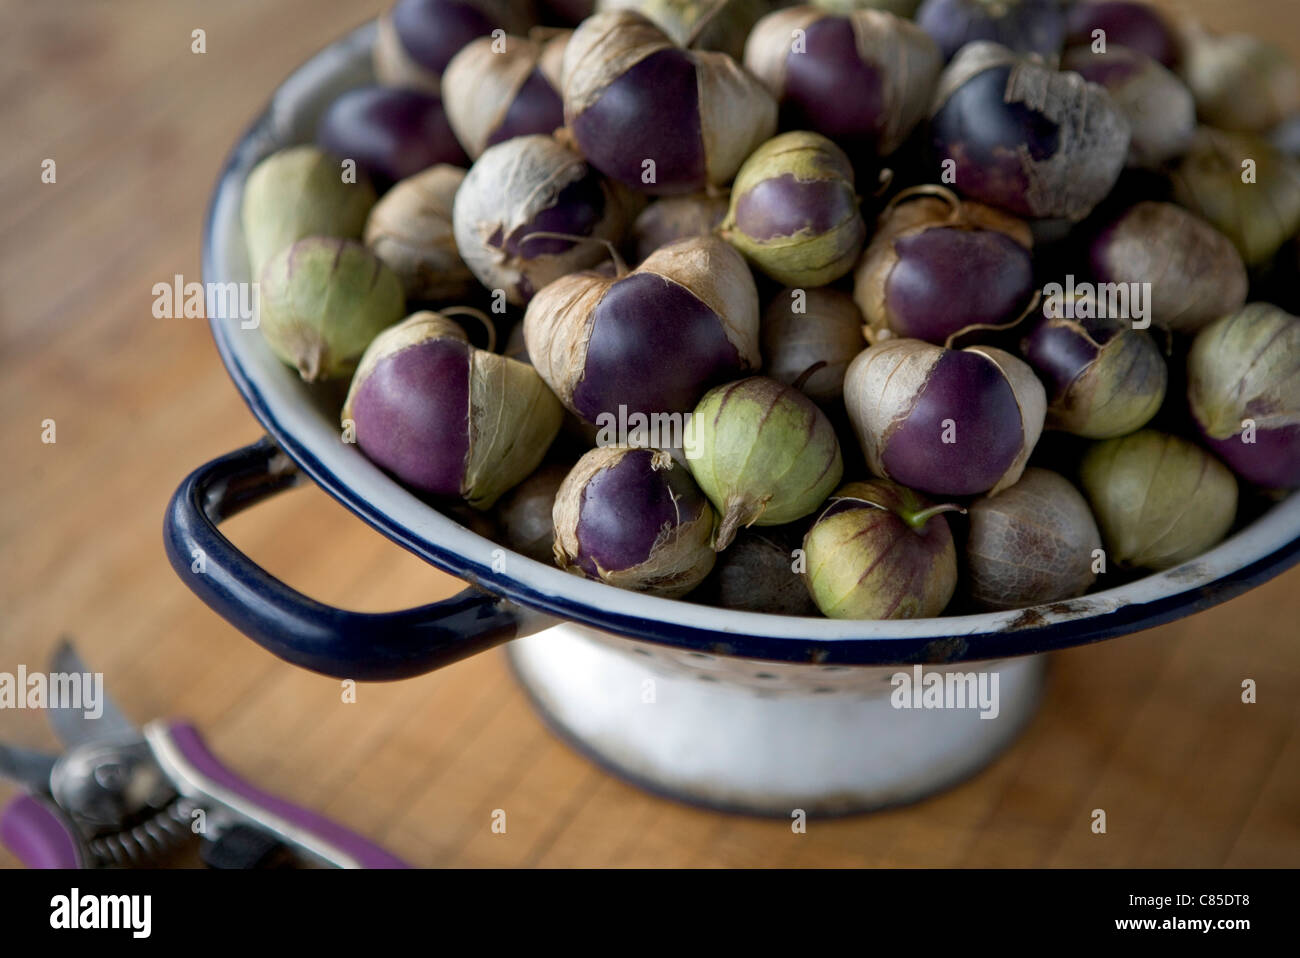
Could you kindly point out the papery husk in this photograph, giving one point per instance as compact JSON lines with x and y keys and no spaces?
{"x":757,"y":574}
{"x":902,"y":8}
{"x":410,"y":229}
{"x":1246,"y":365}
{"x":299,"y":192}
{"x":763,"y":453}
{"x":1118,"y":392}
{"x":771,"y":41}
{"x":672,"y":218}
{"x":908,"y":60}
{"x":804,"y":258}
{"x":1159,"y":500}
{"x":504,"y":190}
{"x":1160,"y":109}
{"x":1090,"y":129}
{"x":605,"y":46}
{"x":829,"y":330}
{"x":1030,"y":544}
{"x":524,"y":515}
{"x":680,"y":558}
{"x":559,"y":322}
{"x":481,"y":84}
{"x":1258,"y":217}
{"x":1031,"y":398}
{"x":720,"y":25}
{"x":736,"y":112}
{"x":394,"y":66}
{"x":322,"y":300}
{"x":1241,"y":83}
{"x":883,"y":384}
{"x":865,"y":563}
{"x":513,"y":417}
{"x":551,"y":61}
{"x":1195,"y":272}
{"x":909,"y":218}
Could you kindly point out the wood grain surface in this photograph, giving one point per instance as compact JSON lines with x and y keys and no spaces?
{"x":1150,"y":727}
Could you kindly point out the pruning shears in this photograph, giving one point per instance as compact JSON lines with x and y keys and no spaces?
{"x":121,"y":796}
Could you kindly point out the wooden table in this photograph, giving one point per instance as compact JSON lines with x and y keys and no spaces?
{"x":1150,"y":728}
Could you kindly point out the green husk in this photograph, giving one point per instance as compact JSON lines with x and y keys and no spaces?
{"x":296,"y":193}
{"x":763,"y":453}
{"x":1257,"y":216}
{"x":322,"y":301}
{"x":1246,"y":365}
{"x":806,"y":258}
{"x":1158,"y":499}
{"x":892,"y":559}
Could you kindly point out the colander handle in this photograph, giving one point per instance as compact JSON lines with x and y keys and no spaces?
{"x":300,"y":630}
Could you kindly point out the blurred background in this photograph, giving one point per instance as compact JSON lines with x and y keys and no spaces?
{"x":1149,"y":727}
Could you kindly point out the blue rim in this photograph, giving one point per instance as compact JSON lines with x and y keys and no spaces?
{"x":1033,"y":637}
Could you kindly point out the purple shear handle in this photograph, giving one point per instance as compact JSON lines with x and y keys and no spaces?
{"x":37,"y":835}
{"x":178,"y":746}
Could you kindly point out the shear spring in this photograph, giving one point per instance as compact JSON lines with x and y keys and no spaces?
{"x":147,"y":842}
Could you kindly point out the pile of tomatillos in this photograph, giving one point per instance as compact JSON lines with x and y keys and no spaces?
{"x":872,"y":308}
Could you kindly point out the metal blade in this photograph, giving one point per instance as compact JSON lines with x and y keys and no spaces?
{"x":72,"y":725}
{"x":27,"y":767}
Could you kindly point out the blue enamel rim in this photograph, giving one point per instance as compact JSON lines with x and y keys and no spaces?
{"x":1031,"y":631}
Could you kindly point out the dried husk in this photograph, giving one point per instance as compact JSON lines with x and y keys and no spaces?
{"x":881,"y":561}
{"x":513,"y":417}
{"x":1258,"y":217}
{"x":1159,"y":500}
{"x":1030,"y":544}
{"x":410,"y":230}
{"x":1241,"y":83}
{"x":299,"y":192}
{"x":756,"y":574}
{"x":882,"y":385}
{"x":736,"y":111}
{"x":672,"y":218}
{"x":828,"y":330}
{"x":1118,"y":392}
{"x":1246,"y":366}
{"x":806,"y":258}
{"x":481,"y":84}
{"x":916,"y":215}
{"x":1093,"y":135}
{"x":394,"y":66}
{"x":1160,"y":109}
{"x":720,"y":25}
{"x":525,"y":514}
{"x":559,"y":321}
{"x":908,"y":60}
{"x":1195,"y":272}
{"x":322,"y":301}
{"x":902,"y":8}
{"x":504,"y":190}
{"x":681,"y":556}
{"x":764,"y":454}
